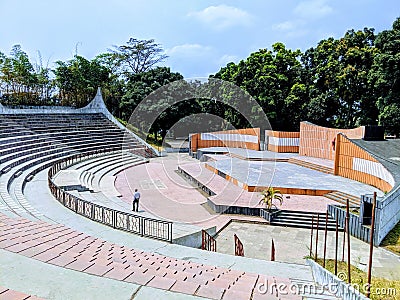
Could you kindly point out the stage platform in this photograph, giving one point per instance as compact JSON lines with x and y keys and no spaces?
{"x":225,"y":197}
{"x":255,"y":176}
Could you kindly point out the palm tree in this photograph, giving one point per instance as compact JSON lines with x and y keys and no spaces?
{"x":269,"y":195}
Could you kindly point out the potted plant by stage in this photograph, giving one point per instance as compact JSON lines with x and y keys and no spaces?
{"x":267,"y":198}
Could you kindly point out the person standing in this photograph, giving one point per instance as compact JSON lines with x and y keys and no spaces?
{"x":135,"y":204}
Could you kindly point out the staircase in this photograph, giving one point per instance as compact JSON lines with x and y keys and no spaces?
{"x":311,"y":165}
{"x":302,"y":219}
{"x":276,"y":159}
{"x":341,"y":198}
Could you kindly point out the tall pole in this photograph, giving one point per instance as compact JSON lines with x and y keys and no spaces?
{"x":312,"y":231}
{"x":348,"y":239}
{"x":326,"y":236}
{"x":336,"y":242}
{"x":371,"y":246}
{"x":344,"y":237}
{"x":316,"y":240}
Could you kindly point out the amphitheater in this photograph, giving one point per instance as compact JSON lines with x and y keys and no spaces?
{"x":68,"y":230}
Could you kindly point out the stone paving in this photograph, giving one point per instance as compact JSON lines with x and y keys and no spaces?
{"x":292,"y":245}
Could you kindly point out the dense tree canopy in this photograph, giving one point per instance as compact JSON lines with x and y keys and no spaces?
{"x":345,"y":82}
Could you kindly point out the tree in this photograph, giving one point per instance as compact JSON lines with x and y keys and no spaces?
{"x":273,"y":78}
{"x":21,"y":82}
{"x":136,"y":56}
{"x":141,"y":85}
{"x":78,"y":80}
{"x":340,"y":95}
{"x":356,"y":58}
{"x":384,"y":76}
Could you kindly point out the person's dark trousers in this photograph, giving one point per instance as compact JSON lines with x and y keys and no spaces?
{"x":135,"y":205}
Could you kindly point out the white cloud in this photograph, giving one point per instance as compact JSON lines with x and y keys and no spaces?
{"x":314,"y":9}
{"x":292,"y":29}
{"x":225,"y":59}
{"x":222,"y":16}
{"x":285,"y":26}
{"x":189,"y":50}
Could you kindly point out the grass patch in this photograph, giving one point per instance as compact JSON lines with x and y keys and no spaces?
{"x":392,"y":241}
{"x":381,"y":288}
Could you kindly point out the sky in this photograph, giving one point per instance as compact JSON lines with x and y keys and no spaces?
{"x":199,"y":37}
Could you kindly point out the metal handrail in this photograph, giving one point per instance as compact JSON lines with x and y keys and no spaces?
{"x":143,"y":226}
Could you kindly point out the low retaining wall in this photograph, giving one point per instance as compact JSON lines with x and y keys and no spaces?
{"x":231,"y":209}
{"x":333,"y":284}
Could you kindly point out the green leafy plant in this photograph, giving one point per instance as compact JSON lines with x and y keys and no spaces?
{"x":269,"y":195}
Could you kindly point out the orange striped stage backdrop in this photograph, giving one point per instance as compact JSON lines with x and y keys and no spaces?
{"x":355,"y":163}
{"x":248,"y":138}
{"x":282,"y":141}
{"x":318,"y":141}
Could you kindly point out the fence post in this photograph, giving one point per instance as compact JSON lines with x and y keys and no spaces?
{"x":312,"y":232}
{"x":348,"y":240}
{"x":141,"y":225}
{"x":336,"y":243}
{"x":273,"y":251}
{"x":371,"y":247}
{"x":316,"y":240}
{"x":326,"y":236}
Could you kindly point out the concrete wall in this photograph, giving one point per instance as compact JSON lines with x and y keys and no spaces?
{"x":282,"y":141}
{"x":318,"y":141}
{"x":248,"y":138}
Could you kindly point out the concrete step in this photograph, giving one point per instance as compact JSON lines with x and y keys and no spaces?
{"x":341,"y":197}
{"x":311,"y":165}
{"x":303,"y":220}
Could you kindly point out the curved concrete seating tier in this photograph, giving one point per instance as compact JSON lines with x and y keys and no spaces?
{"x":92,"y":172}
{"x":51,"y":137}
{"x":11,"y":188}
